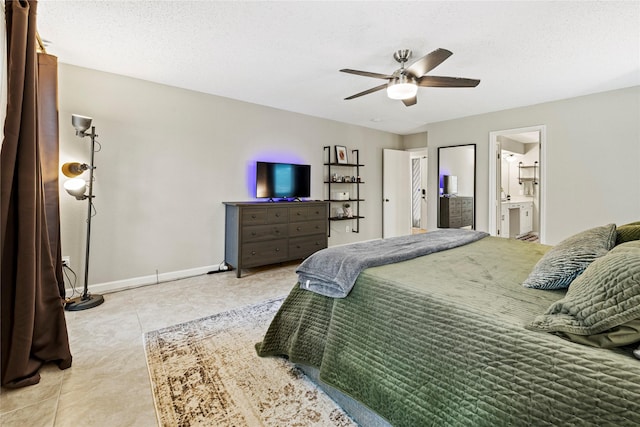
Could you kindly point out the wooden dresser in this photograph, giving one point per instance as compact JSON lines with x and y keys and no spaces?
{"x":261,"y":233}
{"x":456,"y":212}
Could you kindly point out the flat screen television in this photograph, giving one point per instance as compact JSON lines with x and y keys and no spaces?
{"x":282,"y":180}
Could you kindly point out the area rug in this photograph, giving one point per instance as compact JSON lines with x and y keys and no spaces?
{"x":206,"y":373}
{"x":529,"y":237}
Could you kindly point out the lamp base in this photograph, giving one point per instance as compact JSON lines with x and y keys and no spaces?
{"x":84,"y":303}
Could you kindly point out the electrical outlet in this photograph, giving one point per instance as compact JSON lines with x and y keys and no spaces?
{"x":66,"y":261}
{"x":347,"y":229}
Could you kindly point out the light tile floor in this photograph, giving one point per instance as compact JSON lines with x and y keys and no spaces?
{"x":108,"y":383}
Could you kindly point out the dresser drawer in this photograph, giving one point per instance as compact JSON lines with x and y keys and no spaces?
{"x":256,"y":233}
{"x":455,"y":222}
{"x":254,"y":216}
{"x":277,"y":215}
{"x":318,"y":212}
{"x":307,"y":228}
{"x":302,"y":247}
{"x":298,"y":213}
{"x":261,"y":253}
{"x":304,"y":213}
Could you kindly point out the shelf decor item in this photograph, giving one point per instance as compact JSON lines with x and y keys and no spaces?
{"x":348,"y":212}
{"x":341,"y":155}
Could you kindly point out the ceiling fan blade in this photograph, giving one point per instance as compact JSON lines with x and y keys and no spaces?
{"x":439,"y":81}
{"x":411,"y":101}
{"x":428,"y":62}
{"x":367,"y":74}
{"x":368,"y":91}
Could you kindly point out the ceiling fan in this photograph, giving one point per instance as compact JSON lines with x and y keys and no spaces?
{"x":403,"y":83}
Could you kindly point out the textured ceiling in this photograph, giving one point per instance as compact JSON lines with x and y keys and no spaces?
{"x":287,"y":54}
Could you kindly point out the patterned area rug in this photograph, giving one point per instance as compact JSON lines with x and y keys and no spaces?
{"x":529,"y":237}
{"x":206,"y":373}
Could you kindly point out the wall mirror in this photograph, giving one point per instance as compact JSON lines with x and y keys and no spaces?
{"x":457,"y":186}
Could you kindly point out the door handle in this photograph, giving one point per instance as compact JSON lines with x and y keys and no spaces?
{"x":386,"y":200}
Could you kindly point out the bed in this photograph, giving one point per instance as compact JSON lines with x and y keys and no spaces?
{"x":450,"y":338}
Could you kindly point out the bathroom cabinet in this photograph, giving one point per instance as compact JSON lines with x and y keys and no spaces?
{"x":516,"y":218}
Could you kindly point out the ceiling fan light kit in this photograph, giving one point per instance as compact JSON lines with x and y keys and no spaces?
{"x":402,"y":87}
{"x":403,"y":83}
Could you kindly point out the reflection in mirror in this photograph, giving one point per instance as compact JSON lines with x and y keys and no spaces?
{"x":457,"y":186}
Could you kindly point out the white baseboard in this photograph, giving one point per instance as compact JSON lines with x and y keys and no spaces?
{"x":136,"y":282}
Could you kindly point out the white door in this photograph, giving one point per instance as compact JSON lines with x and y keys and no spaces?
{"x":396,"y":193}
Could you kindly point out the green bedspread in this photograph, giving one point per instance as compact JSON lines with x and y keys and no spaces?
{"x":440,"y":340}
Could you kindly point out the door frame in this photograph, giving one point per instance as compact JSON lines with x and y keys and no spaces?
{"x":494,"y":197}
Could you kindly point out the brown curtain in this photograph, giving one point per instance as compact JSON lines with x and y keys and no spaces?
{"x":33,"y":328}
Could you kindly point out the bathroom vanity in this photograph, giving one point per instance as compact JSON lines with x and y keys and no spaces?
{"x":517,"y":218}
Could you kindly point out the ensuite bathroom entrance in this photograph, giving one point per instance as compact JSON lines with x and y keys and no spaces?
{"x":518,"y":209}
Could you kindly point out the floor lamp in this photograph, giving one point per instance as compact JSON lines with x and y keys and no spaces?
{"x":78,"y":187}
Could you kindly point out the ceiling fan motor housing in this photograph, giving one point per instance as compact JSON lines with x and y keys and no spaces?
{"x":402,"y":56}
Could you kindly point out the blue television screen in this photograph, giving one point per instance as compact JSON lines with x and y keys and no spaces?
{"x":282,"y":180}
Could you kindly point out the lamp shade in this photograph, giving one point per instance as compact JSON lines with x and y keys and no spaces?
{"x":80,"y":123}
{"x":76,"y":187}
{"x":73,"y":169}
{"x":402,"y":88}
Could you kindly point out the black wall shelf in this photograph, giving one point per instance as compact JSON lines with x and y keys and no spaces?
{"x":332,"y":167}
{"x":533,"y":178}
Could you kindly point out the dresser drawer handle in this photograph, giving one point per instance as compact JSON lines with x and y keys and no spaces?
{"x":253,"y":233}
{"x":278,"y":215}
{"x":253,"y":216}
{"x":253,"y":252}
{"x":277,"y":231}
{"x":277,"y":249}
{"x":297,"y":228}
{"x":298,"y":213}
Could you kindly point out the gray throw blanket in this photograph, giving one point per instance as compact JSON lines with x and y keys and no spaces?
{"x":333,"y":271}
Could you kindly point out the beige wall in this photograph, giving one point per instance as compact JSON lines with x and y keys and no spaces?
{"x":414,"y":141}
{"x":592,"y":158}
{"x":170,"y":157}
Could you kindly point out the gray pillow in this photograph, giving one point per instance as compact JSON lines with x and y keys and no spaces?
{"x":604,"y":297}
{"x":565,"y":261}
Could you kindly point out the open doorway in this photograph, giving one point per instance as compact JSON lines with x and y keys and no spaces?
{"x":517,"y":183}
{"x":404,"y":192}
{"x":419,"y":160}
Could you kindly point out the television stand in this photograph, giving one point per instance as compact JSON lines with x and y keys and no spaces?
{"x":259,"y":233}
